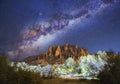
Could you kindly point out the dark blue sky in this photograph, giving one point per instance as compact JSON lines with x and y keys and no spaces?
{"x":100,"y":31}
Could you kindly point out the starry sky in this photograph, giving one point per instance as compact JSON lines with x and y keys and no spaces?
{"x":29,"y":27}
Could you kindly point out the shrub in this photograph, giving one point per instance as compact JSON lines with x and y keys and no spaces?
{"x":111,"y":72}
{"x":9,"y":75}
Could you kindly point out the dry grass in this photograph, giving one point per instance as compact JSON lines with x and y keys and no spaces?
{"x":67,"y":81}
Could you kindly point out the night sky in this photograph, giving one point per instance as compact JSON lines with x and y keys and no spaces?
{"x":29,"y":27}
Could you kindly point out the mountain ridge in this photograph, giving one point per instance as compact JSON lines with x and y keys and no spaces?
{"x":57,"y":55}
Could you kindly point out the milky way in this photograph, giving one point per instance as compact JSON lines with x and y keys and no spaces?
{"x":36,"y":36}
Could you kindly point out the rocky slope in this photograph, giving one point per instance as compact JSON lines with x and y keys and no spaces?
{"x":57,"y":55}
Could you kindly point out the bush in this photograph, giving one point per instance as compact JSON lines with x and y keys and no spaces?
{"x":111,"y":72}
{"x":10,"y":75}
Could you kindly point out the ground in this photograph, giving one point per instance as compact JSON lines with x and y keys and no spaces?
{"x":67,"y":81}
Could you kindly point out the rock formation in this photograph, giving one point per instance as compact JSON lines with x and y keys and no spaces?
{"x":57,"y":55}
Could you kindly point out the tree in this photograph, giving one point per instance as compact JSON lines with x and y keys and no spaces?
{"x":90,"y":65}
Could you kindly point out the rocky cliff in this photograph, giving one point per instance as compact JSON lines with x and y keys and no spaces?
{"x":57,"y":55}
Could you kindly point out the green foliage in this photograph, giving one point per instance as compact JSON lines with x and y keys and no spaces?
{"x":111,"y":72}
{"x":70,"y":63}
{"x":12,"y":75}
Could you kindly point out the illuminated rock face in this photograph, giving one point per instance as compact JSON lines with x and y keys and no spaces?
{"x":58,"y":51}
{"x":58,"y":54}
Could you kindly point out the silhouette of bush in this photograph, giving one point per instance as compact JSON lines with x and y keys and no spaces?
{"x":12,"y":75}
{"x":111,"y":72}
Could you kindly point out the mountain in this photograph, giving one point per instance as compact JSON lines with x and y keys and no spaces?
{"x":57,"y":55}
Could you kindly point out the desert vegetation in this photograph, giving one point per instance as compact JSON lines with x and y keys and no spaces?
{"x":111,"y":72}
{"x":104,"y":67}
{"x":13,"y":75}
